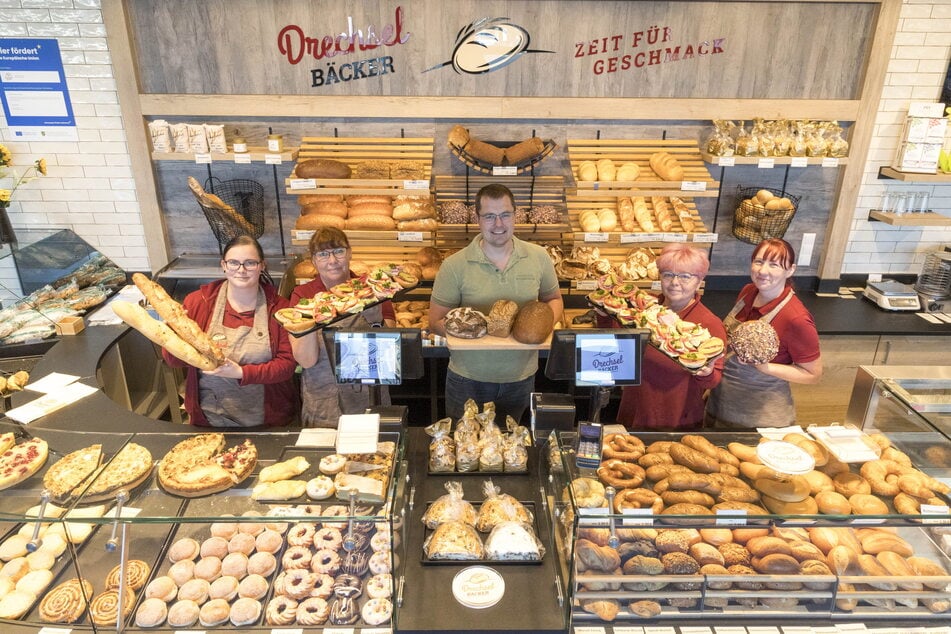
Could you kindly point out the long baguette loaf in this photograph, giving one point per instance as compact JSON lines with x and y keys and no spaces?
{"x":160,"y":334}
{"x":174,"y":315}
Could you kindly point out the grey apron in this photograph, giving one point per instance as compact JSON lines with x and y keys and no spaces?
{"x":324,"y":400}
{"x":224,"y":402}
{"x":745,"y":396}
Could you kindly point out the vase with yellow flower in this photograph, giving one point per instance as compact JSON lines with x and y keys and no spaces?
{"x":10,"y":181}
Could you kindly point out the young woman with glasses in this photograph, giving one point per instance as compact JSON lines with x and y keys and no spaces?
{"x":255,"y":386}
{"x":759,"y":395}
{"x":670,"y":397}
{"x":323,"y":399}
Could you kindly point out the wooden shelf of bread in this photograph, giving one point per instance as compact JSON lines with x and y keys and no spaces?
{"x":727,"y":161}
{"x":488,"y":157}
{"x":258,"y":154}
{"x":605,"y":167}
{"x":540,"y":201}
{"x":629,"y":220}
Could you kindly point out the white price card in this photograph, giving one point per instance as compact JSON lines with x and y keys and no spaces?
{"x":590,"y":629}
{"x":695,"y":630}
{"x":289,"y":630}
{"x":376,"y":630}
{"x":637,"y":517}
{"x":586,"y":285}
{"x":851,"y":627}
{"x":730,"y":629}
{"x":762,"y":629}
{"x":731,"y":517}
{"x":830,"y":161}
{"x":54,"y":630}
{"x":655,"y":285}
{"x":593,"y":517}
{"x":508,"y":170}
{"x":726,"y":161}
{"x":627,"y":238}
{"x":935,"y":509}
{"x":799,"y":161}
{"x":410,"y":236}
{"x":659,"y":629}
{"x":49,"y":403}
{"x":706,"y":237}
{"x":303,"y":183}
{"x":338,"y":630}
{"x":273,"y":159}
{"x":651,"y":237}
{"x":693,"y":186}
{"x":52,"y":382}
{"x":796,"y":629}
{"x":317,"y":437}
{"x":415,"y":184}
{"x":674,"y":237}
{"x":766,"y":163}
{"x":203,"y":159}
{"x":628,"y":630}
{"x":595,"y":237}
{"x":242,"y":159}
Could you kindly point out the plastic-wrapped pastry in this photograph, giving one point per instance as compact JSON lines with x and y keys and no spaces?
{"x":470,"y":409}
{"x":836,"y":146}
{"x":442,"y":448}
{"x":451,"y":507}
{"x":490,"y":455}
{"x":746,"y":145}
{"x":454,"y":540}
{"x":500,"y":507}
{"x":513,"y":541}
{"x":468,"y":452}
{"x":514,"y":451}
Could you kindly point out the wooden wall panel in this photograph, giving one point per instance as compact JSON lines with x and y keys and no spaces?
{"x":769,"y":50}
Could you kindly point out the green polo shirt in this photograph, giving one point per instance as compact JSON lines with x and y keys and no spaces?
{"x":468,"y":278}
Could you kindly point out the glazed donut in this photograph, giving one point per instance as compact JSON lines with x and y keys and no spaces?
{"x":620,"y":474}
{"x":332,"y":464}
{"x":235,"y":565}
{"x":313,"y":611}
{"x":848,"y":484}
{"x":380,"y":562}
{"x":214,"y":613}
{"x":326,"y":562}
{"x":151,"y":613}
{"x":377,"y":611}
{"x":270,"y":541}
{"x":623,"y":447}
{"x":296,"y":557}
{"x":637,"y":499}
{"x":882,"y":476}
{"x":280,"y":610}
{"x":320,"y":488}
{"x":223,"y":588}
{"x":380,"y":586}
{"x":587,"y":493}
{"x":245,"y":611}
{"x":298,"y":583}
{"x":301,"y":534}
{"x":262,"y":563}
{"x":323,"y":586}
{"x":194,"y":590}
{"x":214,"y":547}
{"x":328,"y":538}
{"x":184,"y":548}
{"x":208,"y":568}
{"x":253,"y":587}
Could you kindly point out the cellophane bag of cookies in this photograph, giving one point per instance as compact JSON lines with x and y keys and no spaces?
{"x":515,"y":446}
{"x":467,"y":452}
{"x":490,"y":454}
{"x":745,"y":144}
{"x":500,"y":507}
{"x":836,"y":145}
{"x":450,"y":507}
{"x":442,"y":448}
{"x":179,"y":132}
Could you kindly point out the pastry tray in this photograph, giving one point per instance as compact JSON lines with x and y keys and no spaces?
{"x":426,"y":561}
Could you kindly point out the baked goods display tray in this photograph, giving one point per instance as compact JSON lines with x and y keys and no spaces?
{"x":426,"y":561}
{"x":489,"y":342}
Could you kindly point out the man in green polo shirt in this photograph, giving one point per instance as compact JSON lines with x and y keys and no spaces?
{"x":495,"y":265}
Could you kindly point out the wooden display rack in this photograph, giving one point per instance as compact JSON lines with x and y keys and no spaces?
{"x":356,"y":150}
{"x":528,"y":190}
{"x":697,"y":180}
{"x":588,"y":200}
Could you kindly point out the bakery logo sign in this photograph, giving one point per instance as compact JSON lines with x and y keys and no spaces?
{"x":486,"y":45}
{"x":295,"y":45}
{"x":609,"y":53}
{"x":607,"y":359}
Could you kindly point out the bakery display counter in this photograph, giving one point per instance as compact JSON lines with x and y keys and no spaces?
{"x":665,"y":532}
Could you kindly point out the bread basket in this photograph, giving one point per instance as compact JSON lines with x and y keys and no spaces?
{"x":753,"y":222}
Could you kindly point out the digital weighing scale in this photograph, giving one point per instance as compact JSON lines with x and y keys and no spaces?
{"x":892,"y":295}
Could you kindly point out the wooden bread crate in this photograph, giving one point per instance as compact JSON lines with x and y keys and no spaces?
{"x":697,"y":179}
{"x":356,"y":150}
{"x":587,"y":200}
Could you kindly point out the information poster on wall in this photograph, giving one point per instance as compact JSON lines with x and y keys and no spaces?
{"x":33,"y":90}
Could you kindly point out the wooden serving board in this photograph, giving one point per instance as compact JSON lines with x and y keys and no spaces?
{"x":495,"y":343}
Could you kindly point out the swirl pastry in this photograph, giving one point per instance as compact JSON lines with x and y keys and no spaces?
{"x":104,"y":607}
{"x":66,"y":602}
{"x":136,"y":574}
{"x":313,"y":611}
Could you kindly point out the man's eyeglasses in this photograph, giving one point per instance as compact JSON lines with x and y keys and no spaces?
{"x":667,"y":276}
{"x":249,"y":265}
{"x":338,"y":253}
{"x":491,"y":218}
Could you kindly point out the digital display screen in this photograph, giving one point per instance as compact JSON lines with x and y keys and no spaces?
{"x":368,"y":357}
{"x":607,"y":359}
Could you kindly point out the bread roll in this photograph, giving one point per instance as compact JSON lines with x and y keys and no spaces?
{"x":606,"y":170}
{"x":628,"y":172}
{"x":607,"y":219}
{"x":325,"y":208}
{"x":832,"y":503}
{"x":305,"y":269}
{"x":322,"y":168}
{"x":588,"y":219}
{"x":312,"y":222}
{"x":587,"y":171}
{"x":414,"y":210}
{"x":666,"y":166}
{"x":370,"y":209}
{"x":500,"y":317}
{"x":867,"y":504}
{"x":372,"y":221}
{"x":310,"y":199}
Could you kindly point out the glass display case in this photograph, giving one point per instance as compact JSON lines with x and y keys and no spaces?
{"x":269,"y":561}
{"x":637,"y":551}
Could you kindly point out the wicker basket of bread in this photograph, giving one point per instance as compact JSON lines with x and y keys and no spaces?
{"x":763,"y":213}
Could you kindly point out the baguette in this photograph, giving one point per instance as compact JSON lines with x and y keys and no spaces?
{"x":485,"y":152}
{"x":371,"y":222}
{"x":643,"y":215}
{"x":312,"y":222}
{"x":160,"y":334}
{"x":174,"y":315}
{"x":524,"y":151}
{"x":625,"y":208}
{"x":663,"y":213}
{"x":666,"y":166}
{"x":326,"y":208}
{"x":683,"y":213}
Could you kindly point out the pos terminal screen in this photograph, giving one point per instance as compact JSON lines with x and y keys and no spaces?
{"x":368,"y":357}
{"x":608,"y":359}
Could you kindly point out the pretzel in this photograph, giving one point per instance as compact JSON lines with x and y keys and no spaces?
{"x":620,"y":474}
{"x":638,"y":499}
{"x":623,"y":447}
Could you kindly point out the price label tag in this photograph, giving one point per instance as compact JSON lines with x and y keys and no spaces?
{"x":410,"y":236}
{"x":868,"y":520}
{"x":637,"y":517}
{"x":415,"y":184}
{"x":302,"y":234}
{"x":586,"y":285}
{"x":594,"y":517}
{"x":655,"y":285}
{"x":693,"y":186}
{"x":652,"y":237}
{"x":591,"y":629}
{"x":851,"y":627}
{"x":762,"y":629}
{"x":376,"y":630}
{"x":705,"y":237}
{"x":731,"y":517}
{"x":830,"y":161}
{"x":799,"y":161}
{"x":273,"y":159}
{"x":766,"y":163}
{"x":54,"y":630}
{"x":796,"y":629}
{"x":674,"y":237}
{"x":934,"y":509}
{"x":730,"y":629}
{"x":658,"y":629}
{"x":628,"y":630}
{"x":626,"y":238}
{"x":508,"y":170}
{"x":290,"y":630}
{"x":203,"y":159}
{"x":338,"y":630}
{"x":595,"y":237}
{"x":726,"y":161}
{"x":303,"y":183}
{"x":695,"y":630}
{"x":242,"y":159}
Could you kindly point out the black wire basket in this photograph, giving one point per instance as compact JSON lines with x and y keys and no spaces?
{"x":246,"y":197}
{"x":754,"y":222}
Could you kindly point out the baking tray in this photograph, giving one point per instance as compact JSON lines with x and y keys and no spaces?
{"x":426,"y":561}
